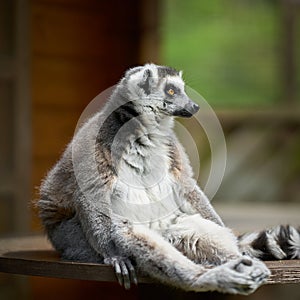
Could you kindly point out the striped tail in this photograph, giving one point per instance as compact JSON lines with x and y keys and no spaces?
{"x":280,"y":242}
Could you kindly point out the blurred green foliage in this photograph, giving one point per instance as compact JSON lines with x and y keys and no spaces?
{"x":229,"y":50}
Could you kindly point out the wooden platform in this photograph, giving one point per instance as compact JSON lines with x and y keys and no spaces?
{"x":34,"y":256}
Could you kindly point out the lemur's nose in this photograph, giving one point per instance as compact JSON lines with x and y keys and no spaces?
{"x":193,"y":108}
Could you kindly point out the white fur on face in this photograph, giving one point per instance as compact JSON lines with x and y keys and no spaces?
{"x":176,"y":81}
{"x":138,"y":76}
{"x":138,"y":93}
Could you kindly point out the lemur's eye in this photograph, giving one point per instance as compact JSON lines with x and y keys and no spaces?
{"x":171,"y":92}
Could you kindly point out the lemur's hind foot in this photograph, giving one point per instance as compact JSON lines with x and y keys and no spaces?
{"x":240,"y":276}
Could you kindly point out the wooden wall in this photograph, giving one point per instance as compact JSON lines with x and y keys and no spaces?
{"x":78,"y":49}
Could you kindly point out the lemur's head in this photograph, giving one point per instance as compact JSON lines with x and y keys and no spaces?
{"x":159,"y":89}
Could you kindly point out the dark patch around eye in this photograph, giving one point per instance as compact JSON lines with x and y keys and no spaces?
{"x":172,"y":87}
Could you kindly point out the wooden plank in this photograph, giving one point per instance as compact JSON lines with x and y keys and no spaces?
{"x":63,"y":31}
{"x":7,"y":68}
{"x":247,"y":217}
{"x":73,"y":3}
{"x":34,"y":256}
{"x":46,"y":263}
{"x":22,"y":115}
{"x":53,"y":130}
{"x":264,"y":116}
{"x":284,"y":271}
{"x":68,"y":84}
{"x":78,"y":33}
{"x":7,"y":116}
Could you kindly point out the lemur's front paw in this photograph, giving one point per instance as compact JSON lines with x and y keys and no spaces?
{"x":124,"y":270}
{"x":240,"y":276}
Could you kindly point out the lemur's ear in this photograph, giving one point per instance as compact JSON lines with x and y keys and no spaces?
{"x":132,"y":71}
{"x":145,"y":84}
{"x":180,"y":74}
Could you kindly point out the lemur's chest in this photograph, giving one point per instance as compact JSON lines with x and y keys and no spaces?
{"x":146,"y":190}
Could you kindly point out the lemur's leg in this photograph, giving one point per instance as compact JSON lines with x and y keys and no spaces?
{"x":201,"y":240}
{"x":69,"y":240}
{"x":159,"y":259}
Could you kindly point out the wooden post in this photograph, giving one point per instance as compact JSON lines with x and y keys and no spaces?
{"x":288,"y":50}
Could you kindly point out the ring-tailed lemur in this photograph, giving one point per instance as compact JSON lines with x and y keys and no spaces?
{"x":123,"y":194}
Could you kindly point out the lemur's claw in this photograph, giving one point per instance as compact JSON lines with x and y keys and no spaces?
{"x":124,"y":270}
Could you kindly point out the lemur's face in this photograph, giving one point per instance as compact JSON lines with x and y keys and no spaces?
{"x":159,"y":90}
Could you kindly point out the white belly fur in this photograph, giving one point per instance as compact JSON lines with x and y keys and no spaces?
{"x":151,"y":198}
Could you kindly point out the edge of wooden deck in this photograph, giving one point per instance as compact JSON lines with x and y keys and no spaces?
{"x":34,"y":256}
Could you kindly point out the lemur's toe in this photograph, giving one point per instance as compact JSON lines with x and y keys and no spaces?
{"x":124,"y":271}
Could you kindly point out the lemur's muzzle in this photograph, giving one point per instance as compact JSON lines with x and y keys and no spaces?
{"x":188,"y":110}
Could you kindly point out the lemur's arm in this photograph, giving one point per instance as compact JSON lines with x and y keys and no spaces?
{"x":201,"y":204}
{"x":97,"y":224}
{"x":181,"y":169}
{"x":94,"y":174}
